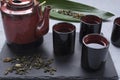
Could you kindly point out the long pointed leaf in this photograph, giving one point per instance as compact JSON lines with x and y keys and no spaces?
{"x":74,"y":6}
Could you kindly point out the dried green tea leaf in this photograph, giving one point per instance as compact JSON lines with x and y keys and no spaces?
{"x":22,"y":64}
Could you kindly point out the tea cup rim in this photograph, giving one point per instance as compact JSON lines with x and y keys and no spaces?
{"x":66,"y":23}
{"x":115,"y":21}
{"x":96,"y":34}
{"x":81,"y":19}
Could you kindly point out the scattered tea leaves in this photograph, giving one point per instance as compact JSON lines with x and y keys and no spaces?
{"x":22,"y":64}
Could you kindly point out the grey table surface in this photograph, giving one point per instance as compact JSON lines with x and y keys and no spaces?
{"x":106,"y":5}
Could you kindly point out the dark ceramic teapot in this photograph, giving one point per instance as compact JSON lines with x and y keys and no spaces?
{"x":23,"y":22}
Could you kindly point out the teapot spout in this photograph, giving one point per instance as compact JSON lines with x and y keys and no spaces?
{"x":43,"y":27}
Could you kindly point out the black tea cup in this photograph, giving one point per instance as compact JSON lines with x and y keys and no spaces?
{"x":63,"y":38}
{"x":94,"y":52}
{"x":115,"y":36}
{"x":89,"y":24}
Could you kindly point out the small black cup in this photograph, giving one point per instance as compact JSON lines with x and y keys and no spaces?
{"x":89,"y":24}
{"x":63,"y":38}
{"x":94,"y":52}
{"x":115,"y":36}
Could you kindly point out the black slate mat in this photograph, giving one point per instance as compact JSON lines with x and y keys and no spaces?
{"x":68,"y":68}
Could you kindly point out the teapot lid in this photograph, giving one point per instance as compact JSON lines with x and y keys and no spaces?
{"x":20,"y":4}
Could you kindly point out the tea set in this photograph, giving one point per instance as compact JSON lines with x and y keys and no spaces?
{"x":25,"y":25}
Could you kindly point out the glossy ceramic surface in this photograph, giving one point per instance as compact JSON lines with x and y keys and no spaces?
{"x":63,"y":38}
{"x":89,"y":24}
{"x":94,"y":56}
{"x":23,"y":21}
{"x":115,"y":36}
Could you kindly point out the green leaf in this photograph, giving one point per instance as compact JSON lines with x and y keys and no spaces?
{"x":74,"y":6}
